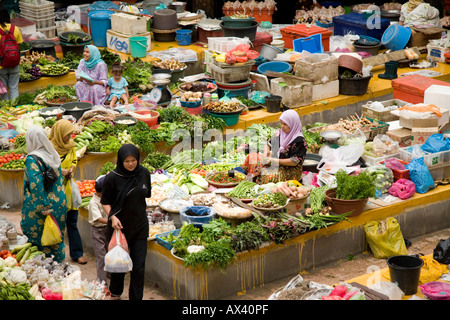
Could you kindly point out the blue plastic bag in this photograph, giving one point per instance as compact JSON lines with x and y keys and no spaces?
{"x":258,"y":96}
{"x":8,"y":134}
{"x":436,"y":143}
{"x":420,"y":175}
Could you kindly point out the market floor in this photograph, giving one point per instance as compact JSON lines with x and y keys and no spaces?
{"x":329,"y":274}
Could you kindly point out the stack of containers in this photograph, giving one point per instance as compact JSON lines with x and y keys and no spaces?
{"x":125,"y":26}
{"x":42,"y":13}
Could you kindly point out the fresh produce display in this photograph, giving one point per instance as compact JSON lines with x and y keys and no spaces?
{"x":271,"y":200}
{"x":71,"y":60}
{"x":317,"y":198}
{"x":291,"y":190}
{"x":191,"y":96}
{"x":24,"y":46}
{"x":12,"y":161}
{"x":55,"y":94}
{"x":53,"y":69}
{"x":197,"y":86}
{"x":383,"y":177}
{"x":351,"y":187}
{"x":109,"y":57}
{"x":137,"y":73}
{"x":244,"y":190}
{"x":155,"y":161}
{"x":171,"y":64}
{"x":36,"y":58}
{"x":222,"y":177}
{"x":87,"y":187}
{"x":223,"y":107}
{"x":28,"y":72}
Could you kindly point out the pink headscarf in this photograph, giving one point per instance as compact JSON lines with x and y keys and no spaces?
{"x":292,"y":119}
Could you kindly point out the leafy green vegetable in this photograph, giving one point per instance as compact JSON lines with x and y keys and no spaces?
{"x":156,"y":159}
{"x":352,"y":187}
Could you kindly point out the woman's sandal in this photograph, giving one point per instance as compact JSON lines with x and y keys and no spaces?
{"x":81,"y":260}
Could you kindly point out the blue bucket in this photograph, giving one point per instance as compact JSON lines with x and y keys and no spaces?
{"x":138,"y":47}
{"x":276,"y":66}
{"x":396,"y":37}
{"x":183,"y":37}
{"x":100,"y":23}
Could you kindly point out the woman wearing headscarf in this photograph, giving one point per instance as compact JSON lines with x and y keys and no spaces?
{"x":284,"y":154}
{"x":61,"y":139}
{"x":92,"y":77}
{"x":38,"y":202}
{"x":418,"y":12}
{"x":123,"y":198}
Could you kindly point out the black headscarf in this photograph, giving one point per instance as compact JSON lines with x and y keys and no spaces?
{"x":127,"y":179}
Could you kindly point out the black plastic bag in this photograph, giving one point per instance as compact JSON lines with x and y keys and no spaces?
{"x":442,"y":252}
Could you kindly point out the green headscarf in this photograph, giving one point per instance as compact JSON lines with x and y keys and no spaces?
{"x":95,"y":57}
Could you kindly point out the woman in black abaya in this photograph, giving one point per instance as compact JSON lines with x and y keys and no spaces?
{"x":123,"y":198}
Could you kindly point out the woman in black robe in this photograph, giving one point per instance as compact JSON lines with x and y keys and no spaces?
{"x":123,"y":198}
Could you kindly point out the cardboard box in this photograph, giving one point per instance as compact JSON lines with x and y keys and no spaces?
{"x":433,"y":121}
{"x":420,"y":135}
{"x":402,"y":135}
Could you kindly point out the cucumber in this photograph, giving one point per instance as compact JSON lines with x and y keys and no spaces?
{"x":20,"y":247}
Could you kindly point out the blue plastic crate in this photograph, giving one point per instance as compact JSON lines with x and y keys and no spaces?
{"x":356,"y":23}
{"x":312,"y":44}
{"x":164,"y":243}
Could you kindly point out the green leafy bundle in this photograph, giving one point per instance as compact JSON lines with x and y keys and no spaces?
{"x":353,"y":187}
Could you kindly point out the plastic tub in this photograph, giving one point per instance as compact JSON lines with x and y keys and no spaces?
{"x":269,"y":52}
{"x":277,"y":66}
{"x":354,"y":86}
{"x":203,"y":215}
{"x":150,"y":121}
{"x":230,"y":119}
{"x":237,"y":23}
{"x":77,"y":108}
{"x":405,"y":272}
{"x":234,"y":92}
{"x":183,"y":37}
{"x":240,"y":32}
{"x":138,"y":46}
{"x":100,"y":21}
{"x":273,"y":103}
{"x":396,"y":37}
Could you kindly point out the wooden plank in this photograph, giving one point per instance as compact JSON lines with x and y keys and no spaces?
{"x":382,"y":58}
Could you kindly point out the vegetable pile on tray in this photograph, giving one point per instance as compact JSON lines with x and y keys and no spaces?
{"x":222,"y":177}
{"x":223,"y":107}
{"x":87,"y":187}
{"x":270,"y":200}
{"x":12,"y":161}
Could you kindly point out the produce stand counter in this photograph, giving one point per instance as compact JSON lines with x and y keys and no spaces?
{"x":418,"y":215}
{"x":341,"y":106}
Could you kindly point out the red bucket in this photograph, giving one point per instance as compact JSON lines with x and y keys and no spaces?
{"x":150,"y":121}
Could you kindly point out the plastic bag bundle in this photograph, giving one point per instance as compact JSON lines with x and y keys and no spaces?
{"x":403,"y":189}
{"x":383,"y":145}
{"x":420,"y":175}
{"x":52,"y":234}
{"x":442,"y":251}
{"x":117,"y":260}
{"x":383,"y":177}
{"x":436,"y":290}
{"x":436,"y":143}
{"x":385,"y":238}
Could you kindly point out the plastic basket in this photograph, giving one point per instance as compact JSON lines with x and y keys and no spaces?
{"x":400,"y":174}
{"x":376,"y":161}
{"x":164,"y":243}
{"x":386,"y":115}
{"x":382,"y":128}
{"x":50,"y":32}
{"x":42,"y":23}
{"x":224,"y":44}
{"x":431,"y":160}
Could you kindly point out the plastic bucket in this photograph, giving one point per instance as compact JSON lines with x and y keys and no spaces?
{"x":276,"y":66}
{"x":395,"y":37}
{"x":138,"y":47}
{"x":100,"y":21}
{"x":273,"y":103}
{"x":230,"y":93}
{"x":230,"y":119}
{"x":183,"y":37}
{"x":405,"y":272}
{"x":240,"y":32}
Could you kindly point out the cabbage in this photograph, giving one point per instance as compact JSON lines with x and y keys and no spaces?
{"x":198,"y":180}
{"x":38,"y":121}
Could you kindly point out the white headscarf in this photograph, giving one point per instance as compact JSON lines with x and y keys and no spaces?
{"x":39,"y":145}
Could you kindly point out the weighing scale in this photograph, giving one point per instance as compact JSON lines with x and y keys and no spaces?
{"x":161,"y":94}
{"x":331,"y":138}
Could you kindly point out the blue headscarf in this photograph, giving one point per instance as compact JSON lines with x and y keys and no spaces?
{"x":95,"y":57}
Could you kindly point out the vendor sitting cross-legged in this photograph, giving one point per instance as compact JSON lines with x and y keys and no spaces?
{"x":284,"y":154}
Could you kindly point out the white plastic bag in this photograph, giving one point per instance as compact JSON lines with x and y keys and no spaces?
{"x":335,"y":159}
{"x":383,"y":145}
{"x":76,"y":195}
{"x":117,"y":260}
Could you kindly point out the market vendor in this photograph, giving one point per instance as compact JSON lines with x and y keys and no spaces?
{"x":418,"y":12}
{"x":284,"y":154}
{"x":92,"y":77}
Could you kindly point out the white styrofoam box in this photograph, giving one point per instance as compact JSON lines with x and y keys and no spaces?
{"x":437,"y":95}
{"x":121,"y":42}
{"x":325,"y":90}
{"x":295,"y":93}
{"x":128,"y":23}
{"x":431,"y":160}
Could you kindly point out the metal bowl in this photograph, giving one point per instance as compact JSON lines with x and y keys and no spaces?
{"x":331,"y":135}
